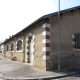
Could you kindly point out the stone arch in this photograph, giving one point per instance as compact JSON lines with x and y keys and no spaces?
{"x":20,"y":39}
{"x":7,"y":47}
{"x":12,"y":46}
{"x":30,"y":48}
{"x":19,"y":45}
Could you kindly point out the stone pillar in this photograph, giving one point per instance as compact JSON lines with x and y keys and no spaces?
{"x":73,"y":43}
{"x":46,"y":45}
{"x":24,"y":42}
{"x":27,"y":50}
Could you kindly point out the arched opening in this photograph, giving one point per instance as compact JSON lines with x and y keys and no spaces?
{"x":12,"y":47}
{"x":7,"y":47}
{"x":19,"y":45}
{"x":30,"y":49}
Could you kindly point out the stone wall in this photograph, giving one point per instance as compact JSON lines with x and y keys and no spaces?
{"x":69,"y":25}
{"x":46,"y":42}
{"x":23,"y":55}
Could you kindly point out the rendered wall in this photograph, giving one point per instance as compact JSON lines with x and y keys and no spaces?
{"x":38,"y":45}
{"x":69,"y":25}
{"x":38,"y":53}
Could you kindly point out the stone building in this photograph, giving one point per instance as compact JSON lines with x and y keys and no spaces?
{"x":37,"y":44}
{"x":0,"y":48}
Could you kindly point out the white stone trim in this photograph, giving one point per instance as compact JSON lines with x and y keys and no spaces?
{"x":8,"y":47}
{"x":46,"y":48}
{"x":76,"y":49}
{"x":30,"y":34}
{"x":33,"y":43}
{"x":22,"y":45}
{"x":16,"y":46}
{"x":27,"y":45}
{"x":19,"y":39}
{"x":32,"y":40}
{"x":11,"y":43}
{"x":46,"y":41}
{"x":33,"y":36}
{"x":46,"y":33}
{"x":73,"y":36}
{"x":44,"y":57}
{"x":26,"y":38}
{"x":12,"y":51}
{"x":33,"y":50}
{"x":22,"y":40}
{"x":73,"y":43}
{"x":27,"y":50}
{"x":46,"y":25}
{"x":16,"y":42}
{"x":20,"y":51}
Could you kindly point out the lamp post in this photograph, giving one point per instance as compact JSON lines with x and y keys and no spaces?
{"x":58,"y":35}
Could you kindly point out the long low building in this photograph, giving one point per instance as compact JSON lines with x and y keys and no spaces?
{"x":37,"y":44}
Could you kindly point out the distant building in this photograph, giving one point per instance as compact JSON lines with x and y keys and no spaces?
{"x":37,"y":44}
{"x":0,"y":48}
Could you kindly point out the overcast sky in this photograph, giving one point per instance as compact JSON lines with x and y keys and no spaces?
{"x":17,"y":14}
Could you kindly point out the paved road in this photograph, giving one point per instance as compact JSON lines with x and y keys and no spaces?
{"x":15,"y":69}
{"x":75,"y":77}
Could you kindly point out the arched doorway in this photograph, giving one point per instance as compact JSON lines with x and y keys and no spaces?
{"x":30,"y":49}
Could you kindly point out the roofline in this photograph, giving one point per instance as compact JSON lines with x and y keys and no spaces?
{"x":41,"y":18}
{"x":44,"y":17}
